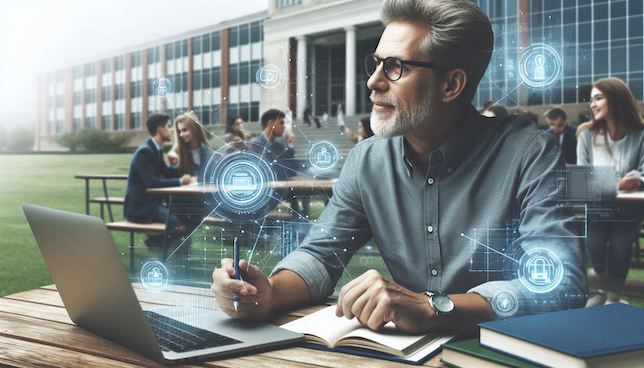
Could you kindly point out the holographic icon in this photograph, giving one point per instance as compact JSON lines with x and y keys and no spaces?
{"x":268,"y":76}
{"x":505,"y":304}
{"x":539,"y":70}
{"x":323,"y":156}
{"x":240,"y":185}
{"x":161,"y":87}
{"x":540,"y":66}
{"x":154,"y":275}
{"x":540,"y":270}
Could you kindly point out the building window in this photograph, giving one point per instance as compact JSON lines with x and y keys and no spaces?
{"x":196,"y":45}
{"x":256,"y":32}
{"x":233,"y":35}
{"x":135,"y":117}
{"x":288,"y":3}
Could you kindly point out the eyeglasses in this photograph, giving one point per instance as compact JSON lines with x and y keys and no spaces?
{"x":392,"y":66}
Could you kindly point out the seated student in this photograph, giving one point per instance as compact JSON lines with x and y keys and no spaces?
{"x":565,"y":134}
{"x":191,"y":151}
{"x":269,"y":142}
{"x":149,"y":170}
{"x":364,"y":131}
{"x":437,"y":172}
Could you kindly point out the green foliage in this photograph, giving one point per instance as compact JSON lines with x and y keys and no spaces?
{"x":95,"y":141}
{"x":17,"y":140}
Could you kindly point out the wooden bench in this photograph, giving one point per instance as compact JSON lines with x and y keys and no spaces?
{"x":106,"y":199}
{"x":132,"y":228}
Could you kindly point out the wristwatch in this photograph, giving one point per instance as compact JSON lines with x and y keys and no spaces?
{"x":439,"y":302}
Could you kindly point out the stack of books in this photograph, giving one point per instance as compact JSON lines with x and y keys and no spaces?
{"x":606,"y":336}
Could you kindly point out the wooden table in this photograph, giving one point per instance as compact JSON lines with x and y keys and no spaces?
{"x":35,"y":330}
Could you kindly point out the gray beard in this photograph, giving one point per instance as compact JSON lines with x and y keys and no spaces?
{"x":387,"y":125}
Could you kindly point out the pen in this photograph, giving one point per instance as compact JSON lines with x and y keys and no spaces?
{"x":237,"y":275}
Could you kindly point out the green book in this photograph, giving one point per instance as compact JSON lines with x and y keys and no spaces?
{"x":469,"y":353}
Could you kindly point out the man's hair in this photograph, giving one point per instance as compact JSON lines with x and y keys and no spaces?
{"x":155,"y":121}
{"x":460,"y":34}
{"x":272,"y":114}
{"x":555,"y":113}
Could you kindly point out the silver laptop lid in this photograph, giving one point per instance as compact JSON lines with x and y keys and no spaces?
{"x":81,"y":257}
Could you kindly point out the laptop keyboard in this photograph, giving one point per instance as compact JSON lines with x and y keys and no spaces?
{"x":179,"y":337}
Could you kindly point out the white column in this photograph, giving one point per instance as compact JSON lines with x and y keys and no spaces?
{"x":301,"y":76}
{"x":350,"y":72}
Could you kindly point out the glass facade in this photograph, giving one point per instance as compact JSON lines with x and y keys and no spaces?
{"x":594,"y":39}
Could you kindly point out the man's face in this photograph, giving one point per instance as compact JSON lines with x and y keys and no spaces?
{"x":166,"y":131}
{"x":557,"y":125}
{"x":278,"y":127}
{"x":406,"y":104}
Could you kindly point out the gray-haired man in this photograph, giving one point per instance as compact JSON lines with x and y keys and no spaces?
{"x":434,"y":175}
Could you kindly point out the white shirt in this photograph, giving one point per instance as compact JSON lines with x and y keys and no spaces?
{"x":608,"y":153}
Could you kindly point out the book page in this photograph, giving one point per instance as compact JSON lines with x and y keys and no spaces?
{"x":389,"y":336}
{"x":323,"y":324}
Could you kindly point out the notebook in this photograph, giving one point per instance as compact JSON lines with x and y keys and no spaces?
{"x":470,"y":354}
{"x":324,"y":329}
{"x":606,"y":336}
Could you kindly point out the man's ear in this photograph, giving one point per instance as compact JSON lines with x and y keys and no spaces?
{"x":453,"y":84}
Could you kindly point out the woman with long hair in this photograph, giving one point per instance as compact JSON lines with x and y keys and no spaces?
{"x":191,"y":145}
{"x":614,"y":137}
{"x":364,"y":131}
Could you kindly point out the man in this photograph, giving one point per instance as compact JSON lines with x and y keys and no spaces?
{"x":269,"y":143}
{"x":565,"y":134}
{"x":149,"y":170}
{"x":438,"y":173}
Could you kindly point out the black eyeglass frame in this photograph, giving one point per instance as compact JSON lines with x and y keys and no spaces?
{"x":372,"y":56}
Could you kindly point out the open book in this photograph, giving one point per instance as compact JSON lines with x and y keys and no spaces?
{"x":324,"y":328}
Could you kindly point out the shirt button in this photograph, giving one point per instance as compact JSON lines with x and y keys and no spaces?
{"x":434,"y":272}
{"x":430,"y":181}
{"x":430,"y":228}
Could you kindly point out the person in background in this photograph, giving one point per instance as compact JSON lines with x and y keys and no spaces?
{"x":364,"y":131}
{"x":340,"y":118}
{"x":270,"y":141}
{"x":565,"y":134}
{"x":148,"y":169}
{"x":235,"y":130}
{"x":191,"y":151}
{"x":528,"y":115}
{"x":614,"y":137}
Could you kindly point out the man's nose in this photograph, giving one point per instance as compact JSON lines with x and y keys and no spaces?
{"x":378,"y":81}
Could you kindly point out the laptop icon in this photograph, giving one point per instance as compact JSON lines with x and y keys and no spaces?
{"x":94,"y":286}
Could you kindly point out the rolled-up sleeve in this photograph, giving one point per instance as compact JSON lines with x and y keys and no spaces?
{"x":546,"y":222}
{"x":331,"y":242}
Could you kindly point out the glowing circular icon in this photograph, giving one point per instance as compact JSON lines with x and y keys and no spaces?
{"x":323,"y":156}
{"x":161,"y":87}
{"x":154,"y":275}
{"x":540,"y":66}
{"x":240,"y":186}
{"x":540,"y":270}
{"x":268,"y":76}
{"x":505,"y":304}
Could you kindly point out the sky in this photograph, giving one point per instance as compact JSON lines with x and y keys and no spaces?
{"x":43,"y":35}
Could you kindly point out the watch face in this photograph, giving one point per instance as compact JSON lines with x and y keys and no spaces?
{"x":442,"y":303}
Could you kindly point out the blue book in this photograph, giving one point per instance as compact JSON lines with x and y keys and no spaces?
{"x":606,"y":336}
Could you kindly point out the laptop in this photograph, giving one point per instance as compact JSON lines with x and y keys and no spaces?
{"x":94,"y":286}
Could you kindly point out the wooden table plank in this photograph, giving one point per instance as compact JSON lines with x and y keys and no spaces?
{"x":19,"y":353}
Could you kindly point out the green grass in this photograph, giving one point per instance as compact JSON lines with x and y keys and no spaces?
{"x":48,"y":180}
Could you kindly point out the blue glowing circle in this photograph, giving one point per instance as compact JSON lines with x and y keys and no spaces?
{"x":505,"y":304}
{"x":162,"y":87}
{"x":540,"y":270}
{"x":154,"y":275}
{"x":540,"y":66}
{"x":268,"y":76}
{"x":323,"y":156}
{"x":240,"y":186}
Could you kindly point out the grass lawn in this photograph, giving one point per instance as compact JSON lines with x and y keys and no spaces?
{"x":48,"y":180}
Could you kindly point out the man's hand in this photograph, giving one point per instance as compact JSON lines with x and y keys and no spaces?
{"x":375,"y":301}
{"x":186,"y":179}
{"x":629,"y":183}
{"x":173,"y":158}
{"x":253,"y":289}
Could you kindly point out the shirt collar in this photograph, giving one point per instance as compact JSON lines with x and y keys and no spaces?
{"x":159,"y":148}
{"x":455,"y":149}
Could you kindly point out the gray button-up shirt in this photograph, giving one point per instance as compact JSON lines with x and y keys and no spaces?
{"x":493,"y":176}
